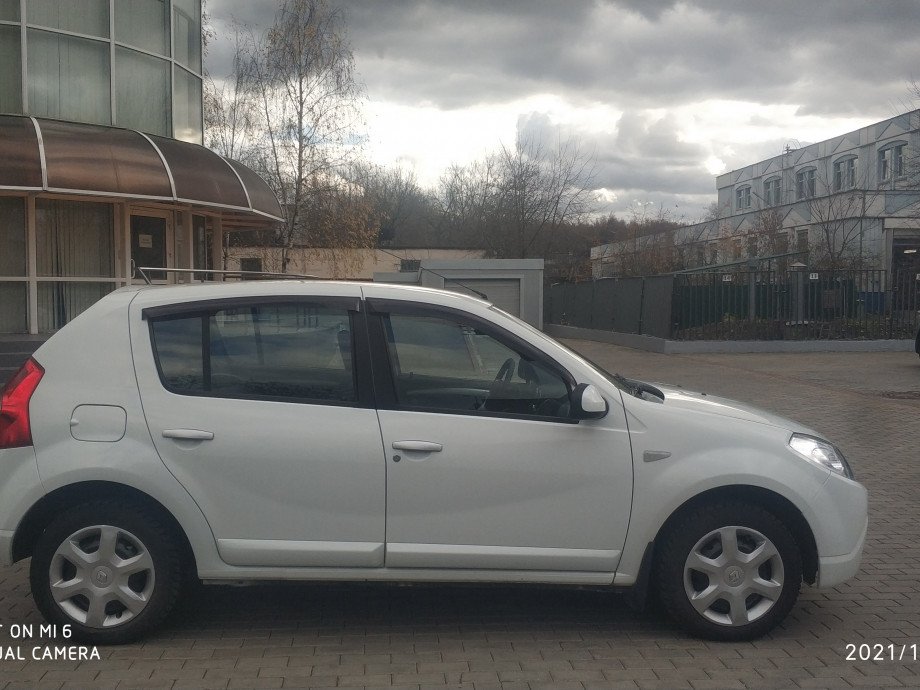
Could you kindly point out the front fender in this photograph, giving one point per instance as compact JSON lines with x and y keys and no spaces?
{"x":708,"y":452}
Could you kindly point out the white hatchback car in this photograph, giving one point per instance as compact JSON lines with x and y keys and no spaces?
{"x":306,"y":430}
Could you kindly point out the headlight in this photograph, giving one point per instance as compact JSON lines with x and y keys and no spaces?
{"x":821,"y":453}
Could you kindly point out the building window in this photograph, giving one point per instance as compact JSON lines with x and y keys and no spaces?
{"x":140,"y":82}
{"x":782,"y":243}
{"x":13,"y":311}
{"x":201,"y":240}
{"x":751,"y":242}
{"x":891,"y":162}
{"x":805,"y":184}
{"x":187,"y":33}
{"x":144,"y":24}
{"x":60,"y":302}
{"x":9,"y":10}
{"x":771,"y":192}
{"x":75,"y":238}
{"x":801,"y":240}
{"x":844,"y":174}
{"x":69,"y":78}
{"x":90,"y":17}
{"x":13,"y":263}
{"x":10,"y":70}
{"x":409,"y":265}
{"x":186,"y":106}
{"x":884,"y":165}
{"x":736,"y":248}
{"x":12,"y":236}
{"x":250,"y":264}
{"x":743,"y":198}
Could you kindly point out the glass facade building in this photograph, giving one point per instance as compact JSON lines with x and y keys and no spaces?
{"x":101,"y":163}
{"x":126,"y":63}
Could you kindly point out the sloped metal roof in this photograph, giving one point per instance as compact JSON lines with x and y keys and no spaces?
{"x":92,"y":160}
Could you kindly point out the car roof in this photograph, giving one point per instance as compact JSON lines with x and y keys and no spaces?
{"x":190,"y":292}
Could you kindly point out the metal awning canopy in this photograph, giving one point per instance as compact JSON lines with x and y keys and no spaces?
{"x":39,"y":155}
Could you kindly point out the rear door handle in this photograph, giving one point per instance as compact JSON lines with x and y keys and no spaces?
{"x":418,"y":446}
{"x":188,"y":434}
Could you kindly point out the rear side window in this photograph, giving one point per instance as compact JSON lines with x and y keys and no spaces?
{"x":266,"y":351}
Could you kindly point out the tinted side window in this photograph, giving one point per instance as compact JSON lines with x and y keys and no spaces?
{"x":270,"y":351}
{"x":179,"y":350}
{"x":440,"y":363}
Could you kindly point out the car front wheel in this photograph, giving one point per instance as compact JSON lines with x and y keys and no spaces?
{"x":108,"y":571}
{"x":728,"y":571}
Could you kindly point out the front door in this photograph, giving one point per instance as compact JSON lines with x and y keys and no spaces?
{"x":152,"y":243}
{"x":486,"y":470}
{"x":256,"y":408}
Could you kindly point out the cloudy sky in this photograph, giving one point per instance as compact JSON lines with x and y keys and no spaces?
{"x":664,"y":94}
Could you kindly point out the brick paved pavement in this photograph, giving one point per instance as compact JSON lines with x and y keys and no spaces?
{"x":502,"y":637}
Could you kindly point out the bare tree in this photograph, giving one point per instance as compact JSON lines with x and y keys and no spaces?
{"x":342,"y":222}
{"x":838,"y":208}
{"x":466,"y":199}
{"x":539,"y":190}
{"x":228,"y":104}
{"x":403,"y":210}
{"x":515,"y":202}
{"x":291,"y":111}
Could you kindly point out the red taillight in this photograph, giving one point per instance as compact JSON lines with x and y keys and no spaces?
{"x":15,"y":430}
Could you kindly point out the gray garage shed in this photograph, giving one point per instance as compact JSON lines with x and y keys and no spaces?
{"x":515,"y":285}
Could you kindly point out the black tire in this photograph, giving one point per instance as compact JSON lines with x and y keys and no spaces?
{"x":158,"y":585}
{"x":752,"y":614}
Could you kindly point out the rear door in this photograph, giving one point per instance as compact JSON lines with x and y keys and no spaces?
{"x":262,"y":409}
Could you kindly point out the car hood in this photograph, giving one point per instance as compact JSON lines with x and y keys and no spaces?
{"x":679,"y":398}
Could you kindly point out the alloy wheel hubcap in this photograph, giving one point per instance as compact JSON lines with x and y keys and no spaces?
{"x":102,"y":576}
{"x":733,"y":575}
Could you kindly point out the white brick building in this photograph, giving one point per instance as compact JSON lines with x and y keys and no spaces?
{"x":853,"y":200}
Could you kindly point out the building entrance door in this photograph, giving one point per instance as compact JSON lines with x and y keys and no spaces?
{"x":152,"y":243}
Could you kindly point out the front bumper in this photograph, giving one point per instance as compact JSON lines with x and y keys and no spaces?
{"x":832,"y":570}
{"x":6,"y":548}
{"x":839,"y":520}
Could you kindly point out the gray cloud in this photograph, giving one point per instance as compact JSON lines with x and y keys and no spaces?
{"x":827,"y":57}
{"x":452,"y":54}
{"x":641,"y":162}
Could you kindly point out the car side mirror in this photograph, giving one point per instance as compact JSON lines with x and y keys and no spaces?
{"x":587,"y":402}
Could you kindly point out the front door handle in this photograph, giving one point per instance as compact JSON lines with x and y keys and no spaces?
{"x":188,"y":434}
{"x":418,"y":446}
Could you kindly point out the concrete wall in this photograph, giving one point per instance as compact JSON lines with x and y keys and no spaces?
{"x":351,"y":264}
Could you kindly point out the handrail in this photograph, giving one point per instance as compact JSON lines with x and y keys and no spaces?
{"x":139,"y":271}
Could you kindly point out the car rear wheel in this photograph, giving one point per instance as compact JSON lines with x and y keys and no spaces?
{"x":110,"y":572}
{"x":728,"y":571}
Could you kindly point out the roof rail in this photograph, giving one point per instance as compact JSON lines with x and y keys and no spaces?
{"x":141,"y":272}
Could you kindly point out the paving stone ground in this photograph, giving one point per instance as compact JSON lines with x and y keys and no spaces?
{"x":362,"y":635}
